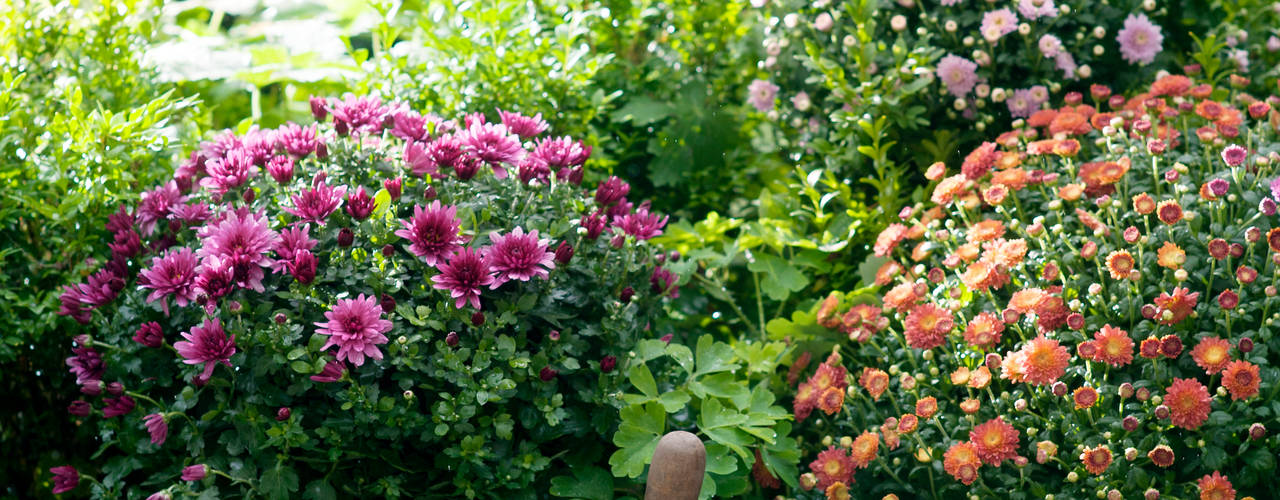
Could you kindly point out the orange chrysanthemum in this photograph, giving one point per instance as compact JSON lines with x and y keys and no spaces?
{"x":1084,"y":397}
{"x":1212,"y":354}
{"x":908,"y":423}
{"x":936,"y":171}
{"x":986,"y":230}
{"x":827,"y":315}
{"x":1091,"y":221}
{"x":1144,"y":204}
{"x":980,"y":161}
{"x":1273,"y":239}
{"x":1014,"y":367}
{"x":1045,"y":361}
{"x":1007,"y":160}
{"x":1042,"y":147}
{"x":1067,"y":148}
{"x":994,"y":441}
{"x":1120,"y":263}
{"x":1171,"y":256}
{"x":1006,"y":253}
{"x":838,"y":491}
{"x":901,"y":297}
{"x":1114,"y":346}
{"x":1026,"y":300}
{"x":1042,"y":117}
{"x":875,"y":381}
{"x":832,"y":466}
{"x":1100,"y":120}
{"x":926,"y":407}
{"x":970,"y":406}
{"x":962,"y":462}
{"x":949,"y":188}
{"x":984,"y":330}
{"x":1096,"y":459}
{"x":889,"y":239}
{"x":922,"y":251}
{"x":927,"y":326}
{"x":1149,"y":348}
{"x":1100,"y":177}
{"x":979,"y":378}
{"x":1179,"y":305}
{"x":829,"y":374}
{"x":1070,"y":123}
{"x":1169,"y":212}
{"x":864,"y":449}
{"x":1241,"y":379}
{"x":1171,"y":85}
{"x":1071,"y":192}
{"x":831,"y":400}
{"x":888,"y":271}
{"x":1161,"y":455}
{"x":1188,"y":402}
{"x":1210,"y":110}
{"x":960,"y":376}
{"x":983,"y":275}
{"x":1216,"y":487}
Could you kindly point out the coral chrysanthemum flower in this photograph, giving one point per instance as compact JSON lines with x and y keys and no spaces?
{"x":927,"y":326}
{"x":1144,"y":204}
{"x":1114,"y":346}
{"x":831,"y":400}
{"x":970,"y":406}
{"x":1179,"y":305}
{"x":986,"y":230}
{"x":1171,"y":85}
{"x":1188,"y":402}
{"x":900,"y":298}
{"x":984,"y":330}
{"x":1161,"y":455}
{"x":980,"y":161}
{"x":1273,"y":239}
{"x":1045,"y":361}
{"x":864,"y":449}
{"x":1120,"y":263}
{"x":994,"y":441}
{"x":1212,"y":354}
{"x":1096,"y":459}
{"x":1014,"y":367}
{"x":207,"y":344}
{"x":1169,"y":212}
{"x":432,"y":232}
{"x":1150,"y":348}
{"x":1084,"y":397}
{"x":875,"y":381}
{"x":949,"y":188}
{"x":983,"y":275}
{"x":1241,"y":379}
{"x":1026,"y":300}
{"x":832,"y":466}
{"x":962,"y":462}
{"x":356,"y":327}
{"x":837,"y":491}
{"x":806,"y":399}
{"x":926,"y":407}
{"x":1171,"y":256}
{"x":1216,"y":487}
{"x":1005,"y":253}
{"x":978,"y":379}
{"x":889,"y":239}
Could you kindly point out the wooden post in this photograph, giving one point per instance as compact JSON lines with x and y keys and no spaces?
{"x":679,"y":463}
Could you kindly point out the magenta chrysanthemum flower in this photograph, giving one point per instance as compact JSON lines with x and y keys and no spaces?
{"x":356,"y":327}
{"x":172,"y":274}
{"x":360,"y":205}
{"x":494,"y":145}
{"x":523,"y":126}
{"x":116,"y":407}
{"x":332,"y":372}
{"x":958,"y":74}
{"x":762,"y":94}
{"x":291,"y":240}
{"x":562,"y":152}
{"x":611,"y":191}
{"x":157,"y":204}
{"x":194,"y":472}
{"x":419,"y":162}
{"x":1140,"y":39}
{"x":207,"y":344}
{"x":518,"y":256}
{"x":641,"y":224}
{"x":297,"y":140}
{"x":1030,"y":10}
{"x":359,"y":114}
{"x":86,"y":365}
{"x":463,"y":276}
{"x":315,"y":204}
{"x":65,"y":478}
{"x":433,"y":232}
{"x":280,"y":168}
{"x":191,"y":213}
{"x":998,"y":23}
{"x":228,"y":172}
{"x":411,"y":126}
{"x":445,"y":151}
{"x":1234,"y":155}
{"x":157,"y":427}
{"x":243,"y":241}
{"x":533,"y":168}
{"x":217,"y":278}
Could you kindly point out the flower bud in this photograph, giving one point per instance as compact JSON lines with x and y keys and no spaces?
{"x":608,"y":363}
{"x":564,"y":253}
{"x":1162,"y":412}
{"x":1257,"y":431}
{"x":1059,"y":389}
{"x":1151,"y":494}
{"x":477,"y":318}
{"x":283,"y":413}
{"x":393,"y":187}
{"x":548,"y":374}
{"x":626,"y":295}
{"x":346,"y":237}
{"x":1142,"y":394}
{"x":451,"y":339}
{"x":1130,"y":423}
{"x":388,"y":303}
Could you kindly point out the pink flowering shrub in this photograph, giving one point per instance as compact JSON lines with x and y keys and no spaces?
{"x":381,"y":304}
{"x":1084,"y":306}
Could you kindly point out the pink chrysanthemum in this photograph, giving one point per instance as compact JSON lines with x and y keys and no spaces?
{"x":523,"y":126}
{"x":157,"y":204}
{"x":518,"y":256}
{"x":297,"y":140}
{"x":207,"y":344}
{"x":641,"y":224}
{"x":1022,"y":103}
{"x":292,"y":240}
{"x":356,"y":327}
{"x":494,"y":145}
{"x":157,"y":427}
{"x":958,"y":74}
{"x":998,"y":23}
{"x":231,"y":171}
{"x":1032,"y":9}
{"x":761,"y":95}
{"x":1188,"y":402}
{"x":1234,"y":155}
{"x":1140,"y":39}
{"x":243,"y":241}
{"x":432,"y":232}
{"x":463,"y":276}
{"x":65,"y":478}
{"x":1049,"y":45}
{"x":359,"y":114}
{"x":561,"y":152}
{"x":315,"y":204}
{"x":87,"y":365}
{"x":172,"y":274}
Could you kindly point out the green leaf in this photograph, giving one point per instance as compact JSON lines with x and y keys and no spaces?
{"x":319,"y":490}
{"x":780,"y":278}
{"x":278,"y":482}
{"x":638,"y":434}
{"x":725,"y":385}
{"x":674,"y":401}
{"x":642,"y":379}
{"x":587,"y":482}
{"x":713,"y":356}
{"x":719,"y":461}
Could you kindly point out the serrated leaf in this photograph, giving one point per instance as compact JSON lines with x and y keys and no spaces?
{"x":278,"y":482}
{"x":642,"y":379}
{"x":779,"y":279}
{"x":713,"y":356}
{"x":591,"y":483}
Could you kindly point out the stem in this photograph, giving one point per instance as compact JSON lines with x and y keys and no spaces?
{"x":755,"y":277}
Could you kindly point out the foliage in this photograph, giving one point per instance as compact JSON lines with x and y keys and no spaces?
{"x":504,"y":390}
{"x":1043,"y":299}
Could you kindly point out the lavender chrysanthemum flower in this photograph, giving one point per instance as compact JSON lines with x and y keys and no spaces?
{"x":1275,"y":189}
{"x":195,"y":472}
{"x":1234,"y":156}
{"x":157,"y":204}
{"x":463,"y":276}
{"x":761,"y":95}
{"x":641,"y":224}
{"x":158,"y":427}
{"x":116,"y":407}
{"x":1050,"y":46}
{"x":1066,"y":63}
{"x":524,"y":126}
{"x":1140,"y":40}
{"x":433,"y":232}
{"x":65,"y":478}
{"x":1039,"y":95}
{"x":207,"y":344}
{"x":315,"y":204}
{"x":87,"y":365}
{"x":1021,"y":104}
{"x":356,"y":327}
{"x":297,"y":140}
{"x":244,"y":241}
{"x":332,"y":372}
{"x":359,"y":115}
{"x":562,"y":152}
{"x":149,"y":334}
{"x":998,"y":23}
{"x":494,"y":145}
{"x":1035,"y":9}
{"x":174,"y":274}
{"x":230,"y":171}
{"x":518,"y":256}
{"x":958,"y":74}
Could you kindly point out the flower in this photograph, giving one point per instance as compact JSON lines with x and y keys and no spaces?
{"x":1161,"y":455}
{"x":984,"y":330}
{"x":1188,"y":402}
{"x":315,"y":204}
{"x":926,"y":407}
{"x":332,"y":372}
{"x":359,"y":204}
{"x":1216,"y":487}
{"x":156,"y":205}
{"x":1212,"y":354}
{"x":1178,"y":306}
{"x":1234,"y":155}
{"x":958,"y":74}
{"x":524,"y":126}
{"x":174,"y":273}
{"x":927,"y":325}
{"x":1034,"y":9}
{"x":463,"y":276}
{"x":1021,"y":104}
{"x":207,"y":344}
{"x":994,"y":441}
{"x":875,"y":381}
{"x":229,"y":172}
{"x":242,"y":241}
{"x":86,"y":365}
{"x":157,"y":426}
{"x":1045,"y":361}
{"x":433,"y":232}
{"x":962,"y":462}
{"x":998,"y":23}
{"x":1171,"y":256}
{"x":1096,"y":459}
{"x":641,"y":224}
{"x":518,"y":256}
{"x":65,"y":478}
{"x":358,"y":114}
{"x":1241,"y":379}
{"x":1114,"y":346}
{"x":494,"y":145}
{"x":194,"y":472}
{"x":116,"y":407}
{"x":979,"y":161}
{"x":1084,"y":397}
{"x":864,"y":448}
{"x":833,"y":465}
{"x":1120,"y":263}
{"x":356,"y":327}
{"x":762,"y":94}
{"x":1140,"y":39}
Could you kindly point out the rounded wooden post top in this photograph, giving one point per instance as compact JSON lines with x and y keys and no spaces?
{"x":679,"y":463}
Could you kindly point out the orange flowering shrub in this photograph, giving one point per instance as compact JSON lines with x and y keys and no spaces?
{"x":1084,"y":307}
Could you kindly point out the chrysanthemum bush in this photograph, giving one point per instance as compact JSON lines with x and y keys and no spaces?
{"x":1084,"y":306}
{"x":385,"y":303}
